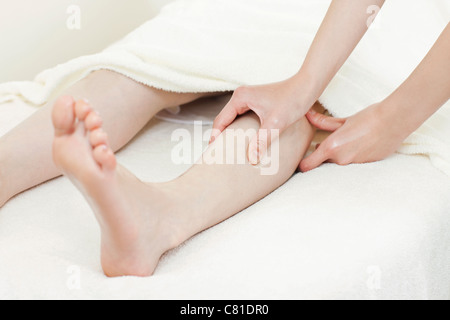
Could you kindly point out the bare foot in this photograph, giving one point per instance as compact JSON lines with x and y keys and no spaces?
{"x":133,"y":216}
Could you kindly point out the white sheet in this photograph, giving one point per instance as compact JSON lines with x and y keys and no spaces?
{"x":363,"y":231}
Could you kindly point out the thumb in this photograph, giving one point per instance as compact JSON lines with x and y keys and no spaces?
{"x":222,"y":121}
{"x":323,"y":122}
{"x":261,"y":142}
{"x":227,"y":116}
{"x":315,"y":159}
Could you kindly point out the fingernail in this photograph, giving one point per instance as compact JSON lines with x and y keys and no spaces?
{"x":312,"y":112}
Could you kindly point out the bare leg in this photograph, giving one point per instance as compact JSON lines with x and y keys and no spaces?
{"x":140,"y":222}
{"x":125,"y":105}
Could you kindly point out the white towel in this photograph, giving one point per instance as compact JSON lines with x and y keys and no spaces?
{"x":218,"y":45}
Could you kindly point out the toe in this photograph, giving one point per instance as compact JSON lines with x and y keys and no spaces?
{"x":98,"y":137}
{"x":82,"y":109}
{"x":63,"y":115}
{"x":93,"y":121}
{"x":105,"y":157}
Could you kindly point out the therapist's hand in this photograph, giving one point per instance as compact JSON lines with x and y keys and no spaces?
{"x":278,"y":106}
{"x":371,"y":135}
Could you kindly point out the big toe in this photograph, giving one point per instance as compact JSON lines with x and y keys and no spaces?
{"x":63,"y":115}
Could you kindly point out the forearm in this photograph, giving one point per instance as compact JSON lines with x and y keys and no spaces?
{"x":426,"y":90}
{"x":342,"y":29}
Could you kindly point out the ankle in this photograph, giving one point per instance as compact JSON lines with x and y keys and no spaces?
{"x":170,"y":223}
{"x":180,"y":219}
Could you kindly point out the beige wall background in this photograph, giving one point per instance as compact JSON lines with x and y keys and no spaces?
{"x":34,"y":34}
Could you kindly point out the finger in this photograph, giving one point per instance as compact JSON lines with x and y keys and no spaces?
{"x":323,"y":122}
{"x":261,"y":143}
{"x":223,"y":120}
{"x":315,"y":148}
{"x":314,"y":160}
{"x":227,"y":117}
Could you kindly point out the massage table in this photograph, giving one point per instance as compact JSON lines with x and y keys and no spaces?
{"x":372,"y":231}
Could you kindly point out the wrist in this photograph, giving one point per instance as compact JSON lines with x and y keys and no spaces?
{"x":402,"y":122}
{"x":307,"y":90}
